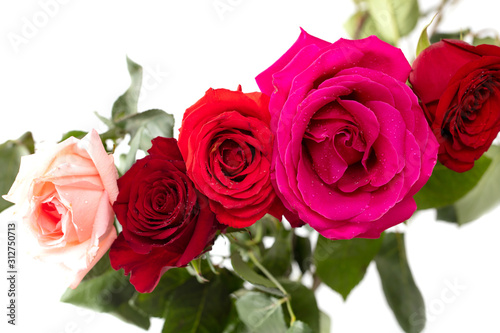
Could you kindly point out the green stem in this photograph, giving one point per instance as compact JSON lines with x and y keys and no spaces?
{"x":257,"y":237}
{"x":276,"y":282}
{"x":210,"y":263}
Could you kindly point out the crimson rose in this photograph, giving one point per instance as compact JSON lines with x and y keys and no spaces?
{"x":227,"y":145}
{"x":166,"y":222}
{"x":458,"y":85}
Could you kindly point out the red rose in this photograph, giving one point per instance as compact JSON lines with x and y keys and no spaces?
{"x":166,"y":222}
{"x":227,"y":145}
{"x":458,"y":85}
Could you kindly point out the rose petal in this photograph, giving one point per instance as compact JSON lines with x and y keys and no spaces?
{"x":434,"y":67}
{"x":264,"y":79}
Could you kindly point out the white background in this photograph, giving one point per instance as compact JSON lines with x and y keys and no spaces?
{"x":72,"y":63}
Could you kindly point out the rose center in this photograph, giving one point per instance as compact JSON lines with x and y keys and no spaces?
{"x":51,"y":214}
{"x":333,"y":141}
{"x":343,"y":143}
{"x":49,"y":220}
{"x":477,"y":94}
{"x":163,"y":201}
{"x":233,"y":158}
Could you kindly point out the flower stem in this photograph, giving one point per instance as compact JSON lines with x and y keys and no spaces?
{"x":276,"y":282}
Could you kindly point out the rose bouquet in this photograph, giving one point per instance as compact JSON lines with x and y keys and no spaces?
{"x":300,"y":181}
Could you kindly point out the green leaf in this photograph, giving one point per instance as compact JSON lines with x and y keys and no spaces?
{"x":447,"y":214}
{"x":247,"y":273}
{"x":103,"y":266}
{"x":278,"y":258}
{"x":156,"y":123}
{"x":324,"y":323}
{"x":10,"y":158}
{"x":195,"y":269}
{"x":299,"y":327}
{"x":114,"y":134}
{"x":446,"y":186}
{"x":436,"y":37}
{"x":485,"y":195}
{"x":129,"y":159}
{"x":393,"y":18}
{"x":360,"y":25}
{"x":302,"y":252}
{"x":105,"y":290}
{"x":304,"y":305}
{"x":106,"y":121}
{"x":423,"y":41}
{"x":75,"y":134}
{"x":261,"y":313}
{"x":234,"y":324}
{"x":144,"y":127}
{"x":342,"y":264}
{"x":132,"y":315}
{"x":491,"y":40}
{"x":27,"y":141}
{"x":126,"y":104}
{"x":154,"y":303}
{"x":401,"y":292}
{"x":197,"y":307}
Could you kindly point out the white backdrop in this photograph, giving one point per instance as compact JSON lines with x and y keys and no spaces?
{"x":62,"y":60}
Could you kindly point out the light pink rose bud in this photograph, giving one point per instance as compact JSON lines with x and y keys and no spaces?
{"x":65,"y":196}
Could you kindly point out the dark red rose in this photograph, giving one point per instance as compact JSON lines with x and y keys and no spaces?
{"x":458,"y":85}
{"x":166,"y":221}
{"x":227,"y":145}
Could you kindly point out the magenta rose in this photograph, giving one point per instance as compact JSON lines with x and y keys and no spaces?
{"x":166,"y":221}
{"x":352,"y":145}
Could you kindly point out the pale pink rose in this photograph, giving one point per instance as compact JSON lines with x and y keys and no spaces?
{"x":65,"y":195}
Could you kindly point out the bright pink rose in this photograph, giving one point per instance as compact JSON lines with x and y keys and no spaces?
{"x":352,"y":145}
{"x":166,"y":221}
{"x":65,"y":195}
{"x":459,"y":87}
